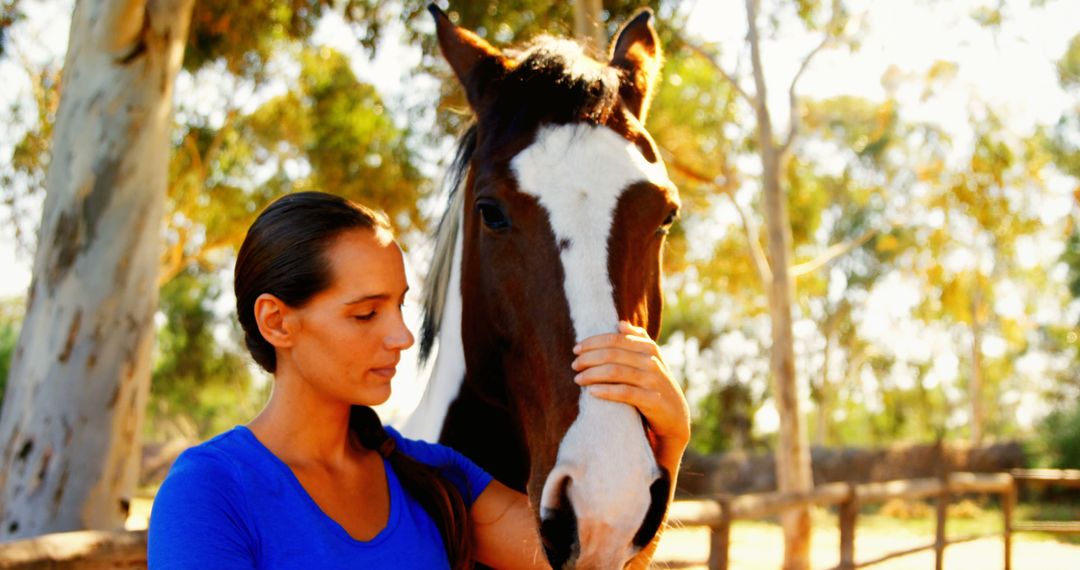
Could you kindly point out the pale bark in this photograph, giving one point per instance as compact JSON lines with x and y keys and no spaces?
{"x":80,"y":375}
{"x":588,"y":28}
{"x":793,"y":470}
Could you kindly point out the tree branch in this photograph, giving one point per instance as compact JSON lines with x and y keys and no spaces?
{"x":793,"y":124}
{"x":720,"y":69}
{"x":219,"y":137}
{"x":834,"y":251}
{"x":727,"y":187}
{"x":173,"y":262}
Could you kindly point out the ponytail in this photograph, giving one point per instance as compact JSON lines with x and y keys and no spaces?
{"x":440,"y":498}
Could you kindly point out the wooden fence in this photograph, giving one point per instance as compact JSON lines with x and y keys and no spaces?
{"x":720,"y":512}
{"x":1042,"y":478}
{"x":99,"y":550}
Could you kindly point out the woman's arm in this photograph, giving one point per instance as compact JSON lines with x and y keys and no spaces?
{"x":504,"y":530}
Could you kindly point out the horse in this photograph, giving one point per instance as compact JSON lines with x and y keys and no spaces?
{"x":554,"y":232}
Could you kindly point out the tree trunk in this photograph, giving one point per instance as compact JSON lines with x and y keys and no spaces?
{"x":822,"y":431}
{"x":975,"y":385}
{"x":792,"y":454}
{"x":80,"y":375}
{"x":588,"y":28}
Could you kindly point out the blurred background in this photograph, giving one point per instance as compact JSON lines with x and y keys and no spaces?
{"x":932,"y":179}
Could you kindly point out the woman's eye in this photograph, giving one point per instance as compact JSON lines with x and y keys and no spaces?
{"x":492,"y":215}
{"x":366,"y":317}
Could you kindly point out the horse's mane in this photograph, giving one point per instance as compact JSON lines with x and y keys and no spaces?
{"x":438,"y":281}
{"x":564,"y":85}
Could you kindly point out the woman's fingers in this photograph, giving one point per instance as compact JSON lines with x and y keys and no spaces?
{"x":627,"y":367}
{"x":622,"y":356}
{"x":617,"y":374}
{"x":624,"y":340}
{"x":627,"y":327}
{"x":647,"y":401}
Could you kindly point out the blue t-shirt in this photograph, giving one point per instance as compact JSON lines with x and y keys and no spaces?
{"x":231,"y":503}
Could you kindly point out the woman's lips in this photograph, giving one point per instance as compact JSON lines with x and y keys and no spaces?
{"x":385,"y":372}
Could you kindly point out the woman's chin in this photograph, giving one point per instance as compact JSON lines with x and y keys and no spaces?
{"x":376,"y":395}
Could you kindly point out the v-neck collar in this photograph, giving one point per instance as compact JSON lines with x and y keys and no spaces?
{"x":392,"y":484}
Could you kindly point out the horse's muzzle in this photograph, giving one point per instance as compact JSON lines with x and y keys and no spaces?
{"x":563,"y":544}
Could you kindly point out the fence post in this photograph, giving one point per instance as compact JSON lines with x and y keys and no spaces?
{"x":849,"y":512}
{"x":1008,"y":501}
{"x":942,"y":516}
{"x":720,"y":541}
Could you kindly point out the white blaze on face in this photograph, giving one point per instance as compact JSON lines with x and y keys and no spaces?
{"x":577,"y":172}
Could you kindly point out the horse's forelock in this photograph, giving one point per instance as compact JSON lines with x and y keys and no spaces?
{"x":572,"y":83}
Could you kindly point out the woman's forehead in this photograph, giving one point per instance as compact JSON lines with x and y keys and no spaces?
{"x":366,"y":263}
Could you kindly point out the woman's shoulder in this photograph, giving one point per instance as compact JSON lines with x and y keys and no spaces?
{"x":217,"y":457}
{"x":420,"y":450}
{"x":201,"y":512}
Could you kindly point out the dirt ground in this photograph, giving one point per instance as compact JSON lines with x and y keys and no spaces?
{"x":760,"y":547}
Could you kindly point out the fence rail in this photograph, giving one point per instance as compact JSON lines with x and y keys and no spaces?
{"x":98,"y":549}
{"x":719,"y":512}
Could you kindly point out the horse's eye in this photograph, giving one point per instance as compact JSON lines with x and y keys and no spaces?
{"x":492,"y":215}
{"x":668,"y":221}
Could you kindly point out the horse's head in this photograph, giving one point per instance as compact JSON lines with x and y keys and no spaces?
{"x":566,"y":204}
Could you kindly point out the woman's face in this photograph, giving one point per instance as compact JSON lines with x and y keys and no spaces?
{"x":349,"y":337}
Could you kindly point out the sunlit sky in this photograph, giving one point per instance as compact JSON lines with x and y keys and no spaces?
{"x":1011,"y":70}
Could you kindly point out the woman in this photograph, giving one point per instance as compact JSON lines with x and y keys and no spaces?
{"x":315,"y":480}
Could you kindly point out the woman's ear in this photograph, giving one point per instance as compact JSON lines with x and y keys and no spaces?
{"x":272,"y":316}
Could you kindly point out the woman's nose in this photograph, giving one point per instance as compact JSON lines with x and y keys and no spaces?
{"x":400,"y":338}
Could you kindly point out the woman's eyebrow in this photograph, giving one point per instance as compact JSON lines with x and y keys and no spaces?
{"x":374,"y":297}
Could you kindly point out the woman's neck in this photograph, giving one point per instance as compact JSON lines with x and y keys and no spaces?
{"x":302,"y":426}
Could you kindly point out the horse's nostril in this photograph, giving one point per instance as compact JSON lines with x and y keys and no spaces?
{"x":558,"y":530}
{"x":659,"y":491}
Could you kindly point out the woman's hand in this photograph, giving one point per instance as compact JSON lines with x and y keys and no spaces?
{"x":627,"y":367}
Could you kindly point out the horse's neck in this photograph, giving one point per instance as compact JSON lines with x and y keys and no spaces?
{"x":448,"y":370}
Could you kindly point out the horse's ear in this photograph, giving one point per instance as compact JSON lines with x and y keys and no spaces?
{"x":636,"y":52}
{"x":474,"y":61}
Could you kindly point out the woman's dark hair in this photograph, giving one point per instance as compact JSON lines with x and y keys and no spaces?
{"x":284,"y":254}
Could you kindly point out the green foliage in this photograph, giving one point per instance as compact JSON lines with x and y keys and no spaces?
{"x":989,"y":16}
{"x":22,"y":179}
{"x":355,"y":149}
{"x":200,"y":386}
{"x":1059,"y":438}
{"x":1068,"y":67}
{"x":330,"y":133}
{"x":864,"y":127}
{"x":1071,"y":257}
{"x":724,"y":419}
{"x":11,"y":313}
{"x":246,"y":34}
{"x":502,"y":22}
